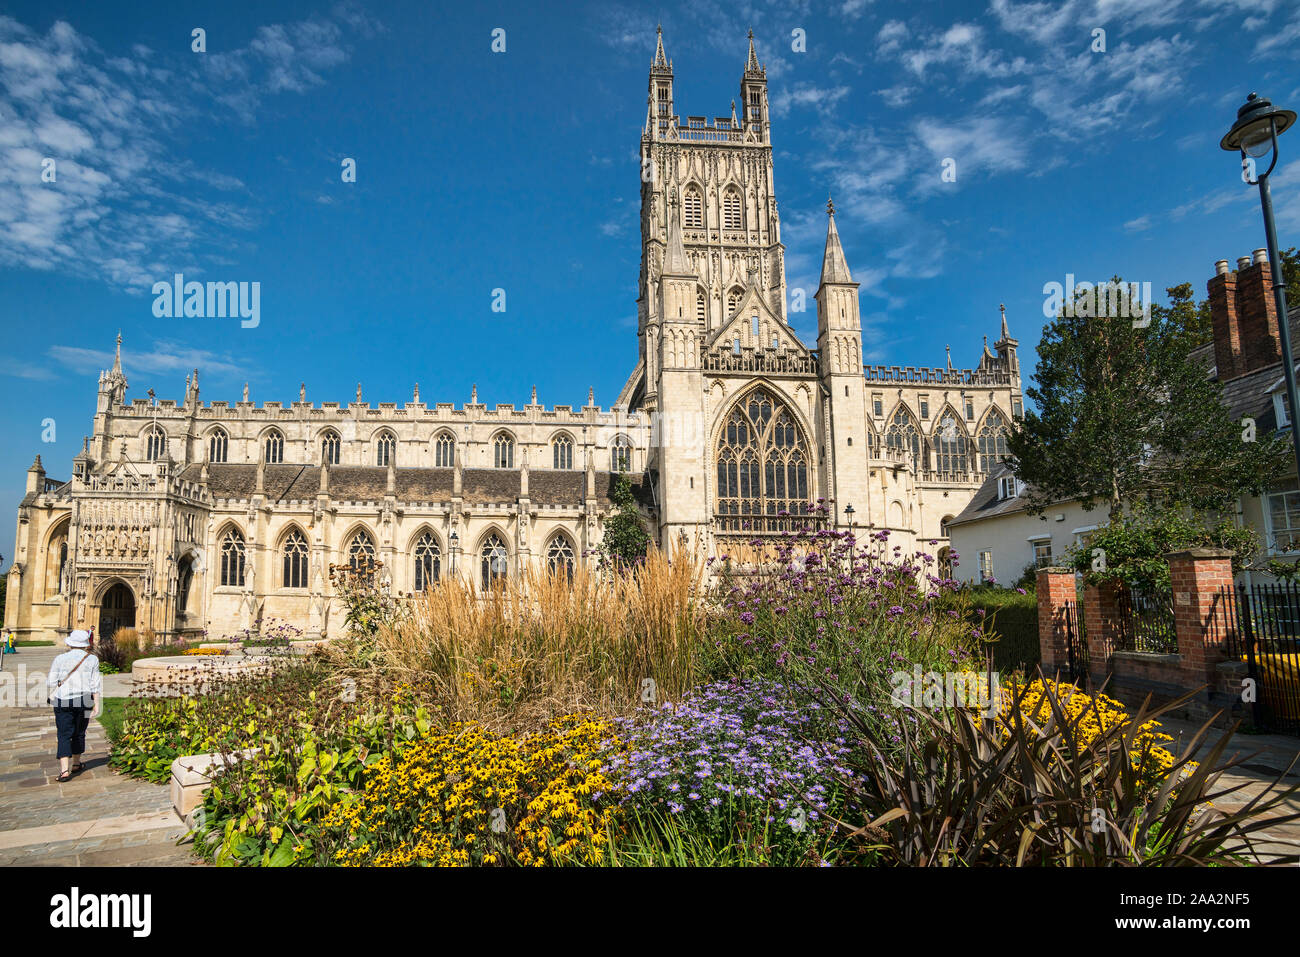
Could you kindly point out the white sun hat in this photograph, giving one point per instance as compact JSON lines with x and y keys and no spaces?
{"x":78,"y":639}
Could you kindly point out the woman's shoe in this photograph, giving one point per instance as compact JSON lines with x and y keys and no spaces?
{"x":78,"y":768}
{"x":64,"y":777}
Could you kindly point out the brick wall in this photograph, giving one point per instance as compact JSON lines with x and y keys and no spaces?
{"x":1055,"y":590}
{"x":1202,"y":612}
{"x":1201,"y":581}
{"x":1101,"y":612}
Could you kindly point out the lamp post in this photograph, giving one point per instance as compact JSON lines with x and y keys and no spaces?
{"x":848,"y":515}
{"x":455,"y":543}
{"x":1255,"y":135}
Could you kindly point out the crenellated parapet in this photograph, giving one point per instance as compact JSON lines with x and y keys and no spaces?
{"x":442,"y":412}
{"x":920,"y":375}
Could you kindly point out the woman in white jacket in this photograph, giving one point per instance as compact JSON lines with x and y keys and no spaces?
{"x":76,"y":691}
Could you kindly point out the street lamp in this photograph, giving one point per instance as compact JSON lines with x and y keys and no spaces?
{"x":455,"y":541}
{"x":848,"y":515}
{"x":1255,"y":135}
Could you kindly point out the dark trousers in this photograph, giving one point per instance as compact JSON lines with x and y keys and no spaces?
{"x":71,"y":724}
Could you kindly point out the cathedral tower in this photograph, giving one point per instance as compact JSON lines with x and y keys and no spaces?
{"x":721,"y":171}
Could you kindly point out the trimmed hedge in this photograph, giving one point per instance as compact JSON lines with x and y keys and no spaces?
{"x":1014,"y":620}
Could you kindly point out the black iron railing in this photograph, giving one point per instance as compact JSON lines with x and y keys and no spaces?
{"x":762,"y":525}
{"x":1076,"y":643}
{"x":1146,"y":622}
{"x":1263,"y":631}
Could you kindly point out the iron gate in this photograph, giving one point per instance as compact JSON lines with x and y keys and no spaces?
{"x":1264,"y":633}
{"x":1076,"y":644}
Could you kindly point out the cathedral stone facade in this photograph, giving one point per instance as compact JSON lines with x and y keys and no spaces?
{"x":187,"y":516}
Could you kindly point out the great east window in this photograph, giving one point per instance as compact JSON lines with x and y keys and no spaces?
{"x":762,"y":461}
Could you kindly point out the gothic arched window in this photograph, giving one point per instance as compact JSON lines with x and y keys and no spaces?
{"x":701,"y":309}
{"x":294,"y":551}
{"x":63,"y":563}
{"x":361,"y":550}
{"x":620,"y":455}
{"x":992,"y":441}
{"x":184,"y":578}
{"x":559,"y":556}
{"x":386,"y":450}
{"x":274,"y":446}
{"x":731,"y":218}
{"x":155,"y":443}
{"x":428,"y":561}
{"x":733,"y":301}
{"x":494,"y":558}
{"x":904,"y":436}
{"x":444,"y":451}
{"x":950,"y":444}
{"x":693,"y":209}
{"x":503,"y":451}
{"x":762,"y":466}
{"x":329,"y":448}
{"x":232,"y":558}
{"x":218,"y":446}
{"x":562,"y":452}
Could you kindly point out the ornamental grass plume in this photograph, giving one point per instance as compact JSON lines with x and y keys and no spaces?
{"x":546,"y":643}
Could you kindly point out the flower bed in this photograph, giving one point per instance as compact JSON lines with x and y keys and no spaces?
{"x":771,"y":735}
{"x":732,"y":756}
{"x":465,"y":796}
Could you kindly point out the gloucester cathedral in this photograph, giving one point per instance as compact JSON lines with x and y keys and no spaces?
{"x":180,"y":516}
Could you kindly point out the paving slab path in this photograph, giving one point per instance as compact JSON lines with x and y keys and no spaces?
{"x":99,"y":818}
{"x":1263,"y":758}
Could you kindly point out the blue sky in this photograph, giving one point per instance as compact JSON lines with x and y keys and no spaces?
{"x":518,"y":170}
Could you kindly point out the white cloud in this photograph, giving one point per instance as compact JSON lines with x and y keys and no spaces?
{"x":983,"y":143}
{"x":897,"y":96}
{"x":165,"y":356}
{"x":1280,"y":41}
{"x":807,"y":96}
{"x":1140,"y":224}
{"x":891,"y":37}
{"x":123,"y":206}
{"x":14,"y":368}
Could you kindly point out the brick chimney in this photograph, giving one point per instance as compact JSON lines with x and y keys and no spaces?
{"x":1223,"y":317}
{"x":1244,"y":317}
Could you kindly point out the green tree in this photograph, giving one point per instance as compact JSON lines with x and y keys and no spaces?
{"x":626,"y":539}
{"x":1190,"y":319}
{"x":1135,"y":546}
{"x":1291,"y":276}
{"x":1123,"y":416}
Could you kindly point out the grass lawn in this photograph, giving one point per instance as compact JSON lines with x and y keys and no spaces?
{"x":111,"y":716}
{"x":33,"y":644}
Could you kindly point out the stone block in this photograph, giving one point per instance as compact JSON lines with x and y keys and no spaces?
{"x":193,"y":774}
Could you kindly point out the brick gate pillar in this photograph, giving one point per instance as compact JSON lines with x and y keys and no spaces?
{"x":1203,"y":614}
{"x":1055,"y":590}
{"x":1101,"y":612}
